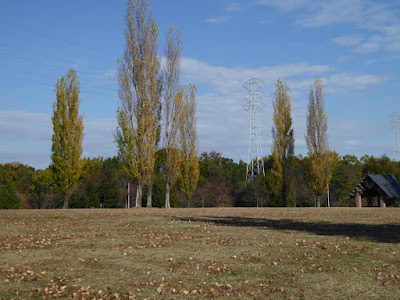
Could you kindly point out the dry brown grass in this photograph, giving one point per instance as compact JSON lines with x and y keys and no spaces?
{"x":335,"y":253}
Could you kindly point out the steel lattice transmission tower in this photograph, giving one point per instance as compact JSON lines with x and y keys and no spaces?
{"x":395,"y":125}
{"x":253,"y":97}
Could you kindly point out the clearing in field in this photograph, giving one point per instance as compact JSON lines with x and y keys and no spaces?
{"x":276,"y":253}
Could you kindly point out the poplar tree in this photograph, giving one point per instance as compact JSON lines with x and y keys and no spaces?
{"x":283,"y":141}
{"x":139,"y":91}
{"x":172,"y":109}
{"x":190,"y":169}
{"x":67,"y":136}
{"x":320,"y":161}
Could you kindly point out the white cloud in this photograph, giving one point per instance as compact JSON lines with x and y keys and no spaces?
{"x":287,"y":5}
{"x":26,"y":137}
{"x":230,"y":80}
{"x":379,"y":19}
{"x":233,"y":7}
{"x":324,"y":13}
{"x":355,"y":137}
{"x":300,"y":76}
{"x":218,"y":20}
{"x":354,"y":142}
{"x":346,"y":82}
{"x":110,"y":74}
{"x":388,"y":39}
{"x":348,"y":40}
{"x":372,"y":45}
{"x":99,"y":138}
{"x":222,"y":121}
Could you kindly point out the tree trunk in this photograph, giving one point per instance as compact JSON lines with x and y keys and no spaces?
{"x":167,"y":192}
{"x":139,"y":195}
{"x":66,"y":200}
{"x":283,"y":194}
{"x":318,"y":201}
{"x":185,"y":201}
{"x":149,"y":194}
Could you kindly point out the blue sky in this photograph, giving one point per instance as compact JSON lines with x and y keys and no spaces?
{"x":353,"y":45}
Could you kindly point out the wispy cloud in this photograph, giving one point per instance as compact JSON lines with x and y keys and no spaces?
{"x":380,"y":19}
{"x":233,"y":7}
{"x":218,"y":20}
{"x":29,"y":135}
{"x":110,"y":74}
{"x":222,"y":121}
{"x":287,"y":5}
{"x":348,"y":40}
{"x":301,"y":75}
{"x":346,"y":82}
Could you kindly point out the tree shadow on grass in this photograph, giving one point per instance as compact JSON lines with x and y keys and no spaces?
{"x":385,"y":233}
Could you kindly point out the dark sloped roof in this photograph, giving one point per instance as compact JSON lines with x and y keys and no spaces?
{"x":387,"y":183}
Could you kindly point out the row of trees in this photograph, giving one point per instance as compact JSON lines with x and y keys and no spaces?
{"x":320,"y":160}
{"x":143,"y":116}
{"x":152,"y":102}
{"x":222,"y":182}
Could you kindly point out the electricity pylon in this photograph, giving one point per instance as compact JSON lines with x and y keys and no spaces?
{"x":395,"y":125}
{"x":253,"y":96}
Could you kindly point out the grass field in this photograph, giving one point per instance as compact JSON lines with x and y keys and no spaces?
{"x":264,"y":253}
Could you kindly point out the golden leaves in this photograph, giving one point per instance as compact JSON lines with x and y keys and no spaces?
{"x":139,"y":92}
{"x":68,"y":135}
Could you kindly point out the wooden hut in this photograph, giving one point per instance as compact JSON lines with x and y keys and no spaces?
{"x":384,"y":188}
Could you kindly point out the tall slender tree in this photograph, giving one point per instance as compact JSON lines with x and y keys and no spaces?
{"x":172,"y":108}
{"x":139,"y":91}
{"x":283,"y":141}
{"x":67,"y":136}
{"x":190,"y":170}
{"x":320,"y":160}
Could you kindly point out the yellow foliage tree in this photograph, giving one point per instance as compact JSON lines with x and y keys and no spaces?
{"x":140,"y":89}
{"x":283,"y":142}
{"x":190,"y":169}
{"x":320,"y":161}
{"x":173,"y":105}
{"x":67,"y":137}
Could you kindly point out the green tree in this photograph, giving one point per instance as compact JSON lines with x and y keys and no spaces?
{"x":380,"y":165}
{"x":67,"y":136}
{"x":8,"y":196}
{"x":40,"y":189}
{"x":110,"y":184}
{"x":20,"y":176}
{"x":345,"y":177}
{"x":140,"y":89}
{"x":303,"y":195}
{"x":320,"y":160}
{"x":283,"y":142}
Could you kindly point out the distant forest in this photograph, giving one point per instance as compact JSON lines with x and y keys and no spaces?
{"x":222,"y":183}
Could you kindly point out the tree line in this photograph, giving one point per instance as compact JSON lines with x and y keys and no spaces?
{"x":222,"y":182}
